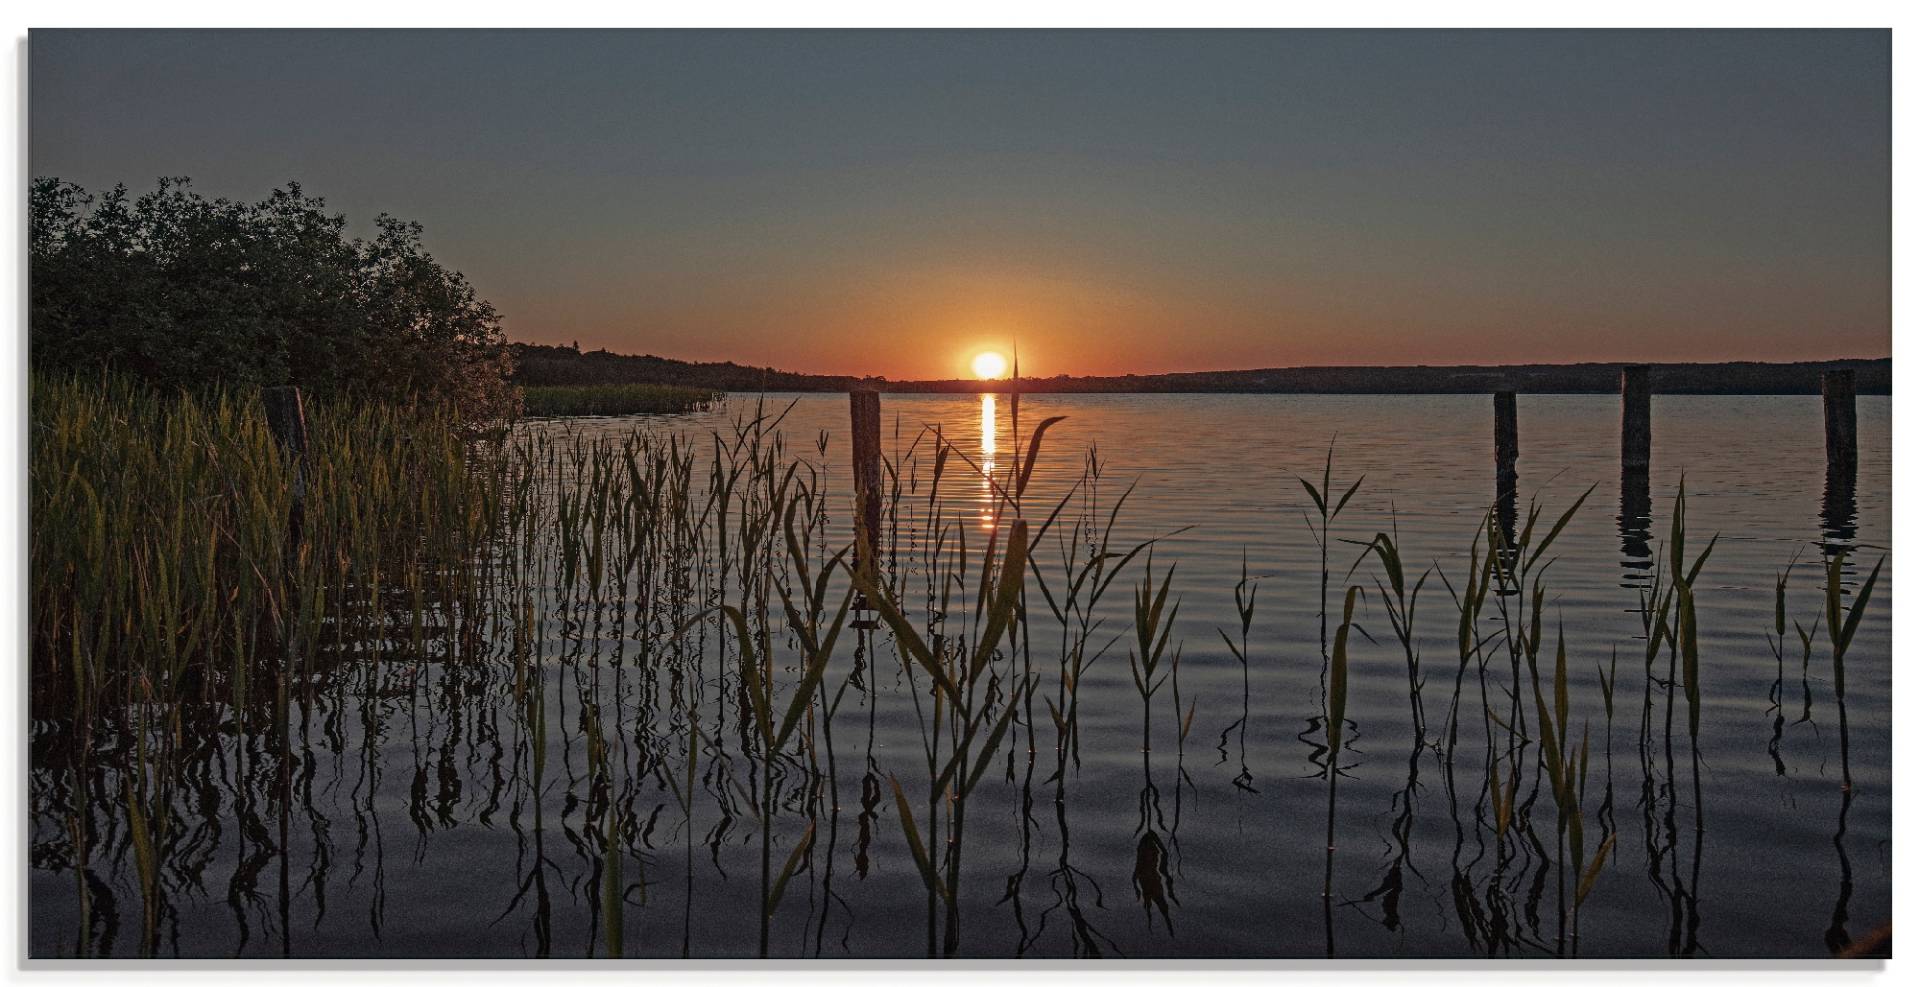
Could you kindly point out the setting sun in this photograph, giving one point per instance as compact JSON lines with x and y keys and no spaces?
{"x":989,"y":366}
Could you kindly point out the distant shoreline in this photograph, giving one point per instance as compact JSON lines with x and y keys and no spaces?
{"x":560,"y":365}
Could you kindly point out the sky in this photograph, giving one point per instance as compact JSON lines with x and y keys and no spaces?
{"x":891,"y":203}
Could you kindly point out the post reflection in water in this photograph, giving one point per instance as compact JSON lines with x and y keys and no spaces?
{"x":989,"y":424}
{"x":1839,"y":512}
{"x":1636,"y":526}
{"x":589,"y":781}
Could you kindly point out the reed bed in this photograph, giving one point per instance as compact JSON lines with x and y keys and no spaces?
{"x":633,"y":649}
{"x":162,"y":556}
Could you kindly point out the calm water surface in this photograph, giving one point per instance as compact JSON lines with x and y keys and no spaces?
{"x":415,"y":835}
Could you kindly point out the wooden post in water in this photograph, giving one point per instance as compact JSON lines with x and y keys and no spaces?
{"x":287,"y":418}
{"x":865,"y":405}
{"x":1636,"y":417}
{"x":1836,"y":387}
{"x":1506,"y":447}
{"x":1636,"y":458}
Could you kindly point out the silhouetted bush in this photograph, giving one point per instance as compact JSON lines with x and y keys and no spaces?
{"x":183,"y":290}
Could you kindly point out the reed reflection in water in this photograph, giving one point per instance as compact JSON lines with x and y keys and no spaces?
{"x":579,"y":768}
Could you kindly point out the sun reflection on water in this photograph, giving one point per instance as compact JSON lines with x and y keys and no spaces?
{"x":989,"y":422}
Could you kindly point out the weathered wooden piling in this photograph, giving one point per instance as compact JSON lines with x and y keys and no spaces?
{"x":1836,"y":388}
{"x":1506,"y":446}
{"x":865,"y":405}
{"x":1636,"y":458}
{"x":1636,"y":417}
{"x":287,"y":419}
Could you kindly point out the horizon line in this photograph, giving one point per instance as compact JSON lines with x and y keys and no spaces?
{"x":1220,"y":370}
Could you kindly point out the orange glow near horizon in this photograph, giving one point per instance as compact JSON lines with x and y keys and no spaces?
{"x":932,"y":325}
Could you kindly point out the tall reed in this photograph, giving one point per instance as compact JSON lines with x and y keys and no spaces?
{"x":1843,"y":622}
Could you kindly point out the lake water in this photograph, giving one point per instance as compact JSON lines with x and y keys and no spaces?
{"x":414,"y":830}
